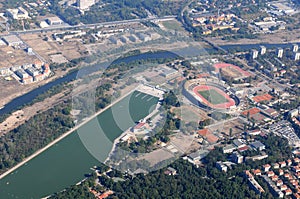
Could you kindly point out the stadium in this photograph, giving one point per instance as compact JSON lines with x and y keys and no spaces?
{"x":209,"y":94}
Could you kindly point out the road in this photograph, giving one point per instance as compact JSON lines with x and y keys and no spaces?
{"x":85,"y":26}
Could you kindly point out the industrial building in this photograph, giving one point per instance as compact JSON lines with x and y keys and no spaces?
{"x":18,"y":13}
{"x":12,"y":40}
{"x":53,"y":21}
{"x":85,"y":4}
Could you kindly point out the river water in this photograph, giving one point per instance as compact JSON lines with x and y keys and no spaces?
{"x":67,"y":162}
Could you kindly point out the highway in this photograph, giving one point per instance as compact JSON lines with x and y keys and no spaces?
{"x":86,"y":26}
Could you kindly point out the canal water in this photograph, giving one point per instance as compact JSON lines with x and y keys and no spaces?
{"x":67,"y":162}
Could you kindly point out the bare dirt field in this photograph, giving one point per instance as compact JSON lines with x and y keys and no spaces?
{"x":14,"y":57}
{"x":236,"y":125}
{"x":279,"y":37}
{"x":45,"y":46}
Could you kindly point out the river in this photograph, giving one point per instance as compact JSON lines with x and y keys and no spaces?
{"x":67,"y":162}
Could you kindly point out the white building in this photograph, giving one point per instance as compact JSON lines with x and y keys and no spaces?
{"x":18,"y":13}
{"x":295,"y":48}
{"x":254,"y":53}
{"x":54,"y":21}
{"x":12,"y":40}
{"x":279,"y":52}
{"x":263,"y":50}
{"x":85,"y":4}
{"x":296,"y":56}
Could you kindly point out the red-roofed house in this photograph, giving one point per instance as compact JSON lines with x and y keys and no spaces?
{"x":106,"y":194}
{"x":282,"y":164}
{"x":283,"y":187}
{"x":256,"y":172}
{"x":279,"y":183}
{"x":270,"y":173}
{"x":266,"y":167}
{"x":274,"y":178}
{"x":280,"y":172}
{"x":288,"y":192}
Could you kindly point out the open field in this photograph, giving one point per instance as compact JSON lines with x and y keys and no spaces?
{"x":173,"y":25}
{"x":237,"y":126}
{"x":189,"y":114}
{"x":14,"y":57}
{"x":279,"y":37}
{"x":45,"y":46}
{"x":213,"y":96}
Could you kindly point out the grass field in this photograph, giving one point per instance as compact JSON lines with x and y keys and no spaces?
{"x":213,"y":97}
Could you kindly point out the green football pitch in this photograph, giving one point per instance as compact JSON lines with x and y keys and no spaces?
{"x":213,"y":97}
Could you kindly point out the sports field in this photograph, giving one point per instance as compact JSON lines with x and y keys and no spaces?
{"x":212,"y":96}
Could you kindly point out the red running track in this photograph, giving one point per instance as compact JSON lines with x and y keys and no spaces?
{"x":206,"y":102}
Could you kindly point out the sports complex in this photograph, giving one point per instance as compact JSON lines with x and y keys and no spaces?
{"x":209,"y":94}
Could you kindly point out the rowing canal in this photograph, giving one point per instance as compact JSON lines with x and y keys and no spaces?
{"x":66,"y":162}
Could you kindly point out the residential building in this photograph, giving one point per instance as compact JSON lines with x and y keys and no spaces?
{"x":296,"y":56}
{"x":254,"y":53}
{"x":275,"y":191}
{"x":279,"y":52}
{"x":266,"y":167}
{"x":237,"y":158}
{"x":295,"y":48}
{"x":263,"y":50}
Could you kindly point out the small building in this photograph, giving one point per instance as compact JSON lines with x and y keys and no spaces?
{"x":254,"y":132}
{"x":270,"y":173}
{"x":266,"y":167}
{"x":170,"y":171}
{"x":276,"y":166}
{"x":238,"y":143}
{"x":53,"y":21}
{"x":12,"y":40}
{"x":256,"y":172}
{"x":282,"y":164}
{"x":237,"y":158}
{"x":257,"y":145}
{"x":279,"y":183}
{"x":221,"y":166}
{"x":229,"y":148}
{"x":32,"y":71}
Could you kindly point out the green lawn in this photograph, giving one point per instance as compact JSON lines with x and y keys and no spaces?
{"x":213,"y":96}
